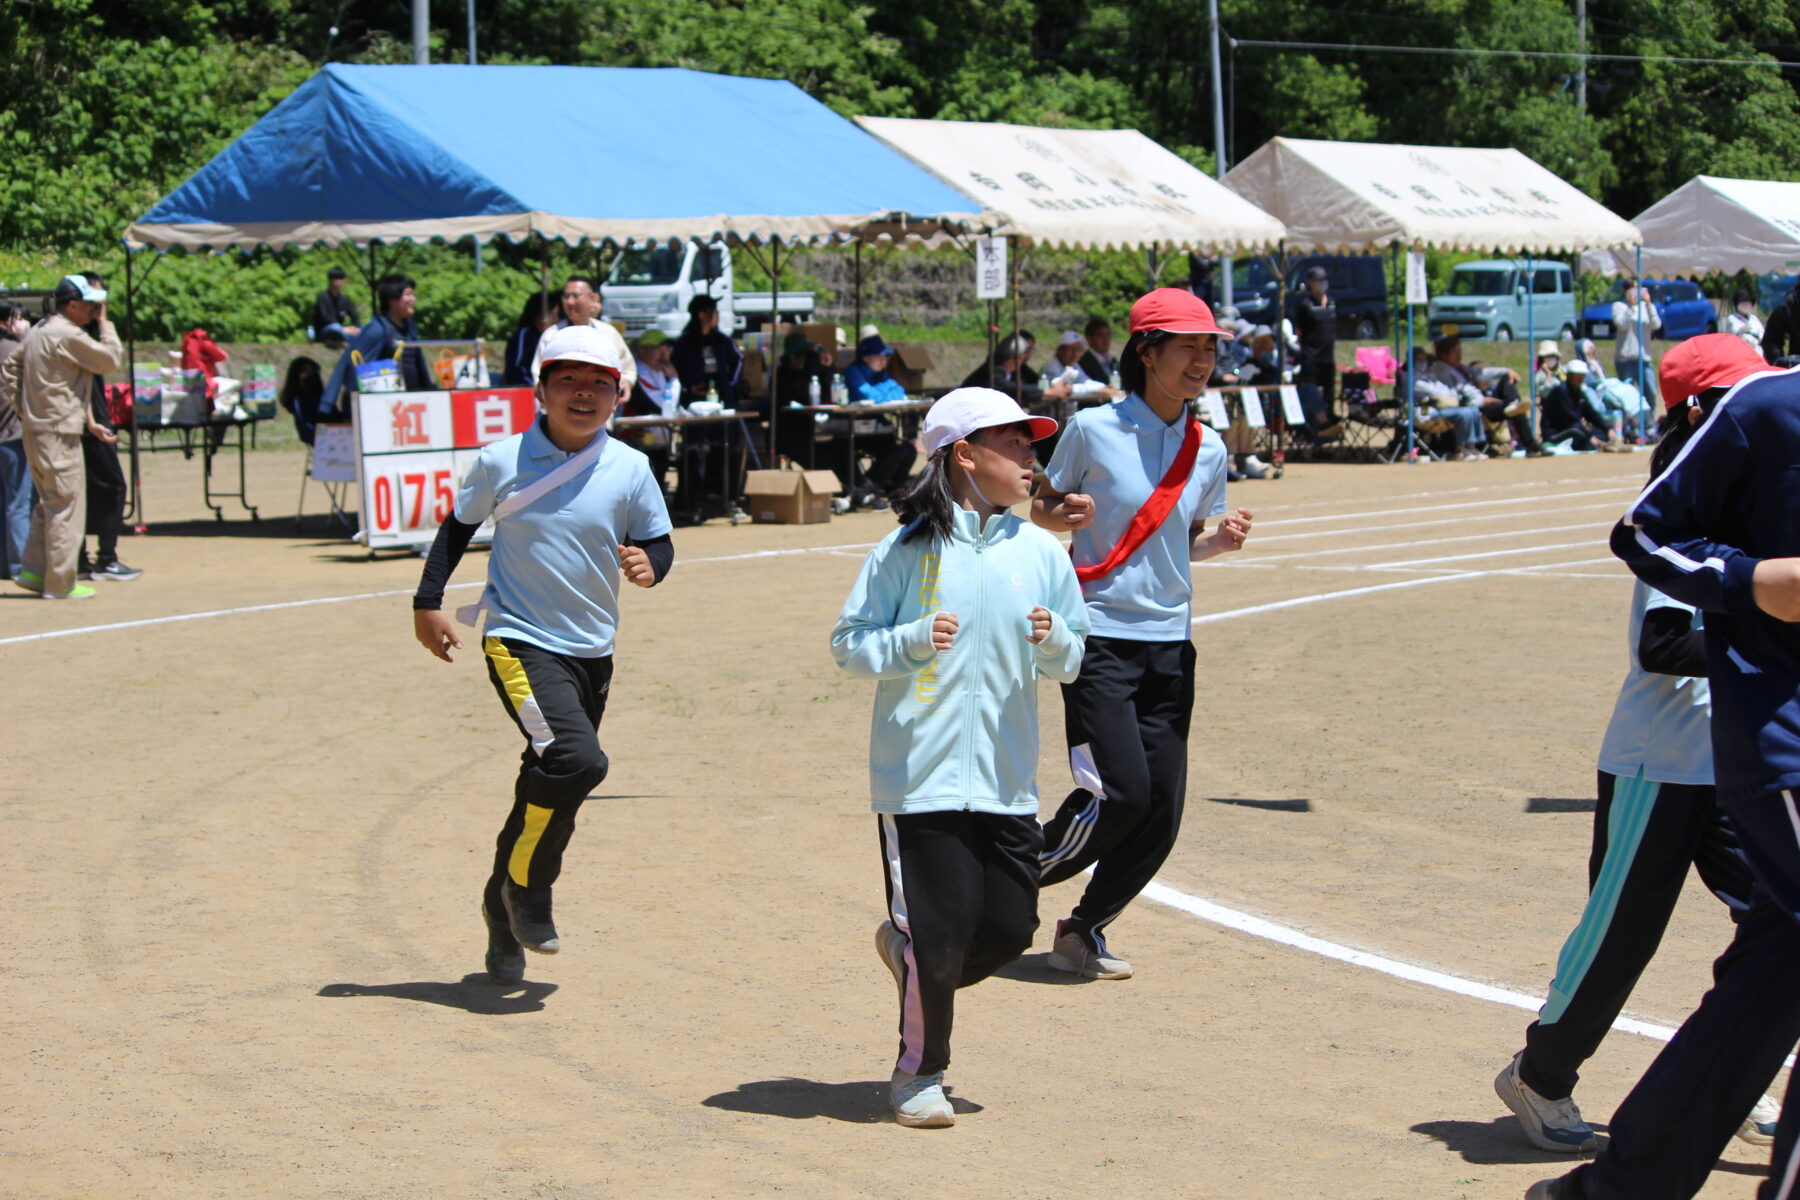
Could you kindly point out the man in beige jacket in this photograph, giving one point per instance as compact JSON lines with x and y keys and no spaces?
{"x":51,"y":378}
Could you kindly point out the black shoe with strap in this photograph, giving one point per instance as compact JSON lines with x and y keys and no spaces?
{"x":505,"y":957}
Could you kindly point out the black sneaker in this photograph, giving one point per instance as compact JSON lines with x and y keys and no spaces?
{"x":505,"y":957}
{"x":115,"y":571}
{"x":528,"y":910}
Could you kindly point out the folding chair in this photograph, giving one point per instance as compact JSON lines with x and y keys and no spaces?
{"x":1367,"y":417}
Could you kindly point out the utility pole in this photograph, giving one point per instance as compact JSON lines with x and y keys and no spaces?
{"x":1218,"y":99}
{"x":1581,"y":40}
{"x":421,"y":32}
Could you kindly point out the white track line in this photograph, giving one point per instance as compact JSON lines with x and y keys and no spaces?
{"x":1261,"y":559}
{"x":1231,"y":918}
{"x":1633,"y":480}
{"x":1264,"y":539}
{"x":1432,"y":508}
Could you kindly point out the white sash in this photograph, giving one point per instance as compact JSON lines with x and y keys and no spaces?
{"x":575,"y":464}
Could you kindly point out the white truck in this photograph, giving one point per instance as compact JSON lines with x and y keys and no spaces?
{"x":649,"y":288}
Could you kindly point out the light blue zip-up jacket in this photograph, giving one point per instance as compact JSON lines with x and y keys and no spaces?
{"x":959,"y":729}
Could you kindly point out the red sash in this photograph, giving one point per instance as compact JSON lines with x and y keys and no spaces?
{"x":1155,"y":511}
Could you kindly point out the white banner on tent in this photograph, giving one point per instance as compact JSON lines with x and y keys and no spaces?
{"x":1418,"y":288}
{"x":990,"y":268}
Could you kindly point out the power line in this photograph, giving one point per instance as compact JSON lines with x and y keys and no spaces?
{"x":1563,"y":54}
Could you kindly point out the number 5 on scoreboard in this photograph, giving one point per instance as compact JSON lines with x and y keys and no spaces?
{"x":443,"y":497}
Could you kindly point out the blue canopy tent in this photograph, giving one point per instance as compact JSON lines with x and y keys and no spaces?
{"x":367,"y":155}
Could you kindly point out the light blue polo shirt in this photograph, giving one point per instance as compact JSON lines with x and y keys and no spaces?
{"x":1118,"y":453}
{"x":1661,"y":724}
{"x":553,"y":573}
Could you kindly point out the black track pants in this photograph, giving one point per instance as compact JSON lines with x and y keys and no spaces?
{"x":557,"y":702}
{"x":1646,"y":835}
{"x":1127,"y":721}
{"x":962,"y":887}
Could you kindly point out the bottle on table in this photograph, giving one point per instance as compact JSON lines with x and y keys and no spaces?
{"x":812,"y":390}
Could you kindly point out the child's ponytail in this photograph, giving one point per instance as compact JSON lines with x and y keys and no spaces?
{"x":929,"y":503}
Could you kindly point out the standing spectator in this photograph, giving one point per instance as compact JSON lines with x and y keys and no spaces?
{"x":704,"y":357}
{"x":581,"y":306}
{"x":106,"y":489}
{"x":52,"y":380}
{"x":1782,"y":338}
{"x":1314,"y":314}
{"x":391,"y":329}
{"x":334,"y":313}
{"x":1629,"y":353}
{"x":1742,"y":321}
{"x":1099,"y":362}
{"x":542,"y":311}
{"x":16,"y":493}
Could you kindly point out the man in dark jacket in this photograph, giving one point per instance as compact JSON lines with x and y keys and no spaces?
{"x":1781,"y":339}
{"x":377,"y":341}
{"x":334,"y":313}
{"x":1314,"y":314}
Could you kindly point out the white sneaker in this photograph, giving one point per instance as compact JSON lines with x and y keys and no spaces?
{"x":1072,"y":953}
{"x":1759,"y":1127}
{"x":1549,"y":1124}
{"x":919,"y":1101}
{"x":890,"y":943}
{"x":1255,"y":463}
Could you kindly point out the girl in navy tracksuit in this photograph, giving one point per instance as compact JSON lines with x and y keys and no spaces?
{"x":1720,"y":530}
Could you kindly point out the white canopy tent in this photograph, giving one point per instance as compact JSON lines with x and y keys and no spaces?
{"x":1084,"y":189}
{"x":1358,"y":197}
{"x":1712,"y":224}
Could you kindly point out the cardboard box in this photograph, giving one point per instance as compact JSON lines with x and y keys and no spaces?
{"x":790,"y":497}
{"x":908,"y":366}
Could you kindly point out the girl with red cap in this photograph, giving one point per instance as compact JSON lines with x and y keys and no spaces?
{"x":1135,"y":483}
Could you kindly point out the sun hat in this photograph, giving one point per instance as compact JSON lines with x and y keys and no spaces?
{"x":959,"y":413}
{"x":1071,"y":338}
{"x":1575,"y":366}
{"x":1316,"y":272}
{"x":1708,"y":361}
{"x":1547,"y":348}
{"x":1173,"y":310}
{"x":583,"y":344}
{"x":76,"y":287}
{"x":872,"y":344}
{"x":868,"y":331}
{"x":652,"y":337}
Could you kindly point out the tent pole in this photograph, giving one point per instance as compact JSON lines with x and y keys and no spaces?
{"x":1407,"y":400}
{"x":1278,"y":267}
{"x":131,"y":375}
{"x":1531,"y":326}
{"x":857,"y":272}
{"x":1637,"y":317}
{"x":770,"y":361}
{"x":374,"y":297}
{"x":1012,"y":265}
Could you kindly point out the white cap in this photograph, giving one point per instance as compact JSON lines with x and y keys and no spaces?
{"x":581,"y":343}
{"x":867,"y":331}
{"x":960,"y":413}
{"x":1070,"y":338}
{"x":1575,"y":366}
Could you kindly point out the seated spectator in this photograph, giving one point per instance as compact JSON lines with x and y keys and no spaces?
{"x":1590,"y":354}
{"x":1742,"y":321}
{"x":1070,"y":349}
{"x":1501,"y":404}
{"x":1573,"y":415}
{"x":1097,"y":361}
{"x":802,"y":436}
{"x":1445,"y":397}
{"x":542,"y":310}
{"x":803,"y":365}
{"x":1011,"y":374}
{"x":301,"y":391}
{"x":868,"y":378}
{"x":334,"y":313}
{"x":1548,"y":367}
{"x":378,"y":341}
{"x":655,"y":394}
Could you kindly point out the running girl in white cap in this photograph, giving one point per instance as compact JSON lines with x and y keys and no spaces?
{"x":573,"y":509}
{"x":957,"y":613}
{"x":1136,"y":482}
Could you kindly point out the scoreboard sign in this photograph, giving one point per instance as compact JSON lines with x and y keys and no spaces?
{"x":413,"y":449}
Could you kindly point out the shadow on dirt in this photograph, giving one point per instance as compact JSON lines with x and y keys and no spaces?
{"x":1493,"y":1142}
{"x":1294,"y":806}
{"x":1036,"y":968}
{"x":1553,"y":804}
{"x":861,"y":1103}
{"x":476,"y":993}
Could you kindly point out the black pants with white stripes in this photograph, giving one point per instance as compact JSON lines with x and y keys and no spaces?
{"x":1127,"y":722}
{"x":1670,"y":1130}
{"x":962,"y":886}
{"x":1646,"y":836}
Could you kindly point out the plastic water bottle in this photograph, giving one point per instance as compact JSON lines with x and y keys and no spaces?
{"x":712,"y":393}
{"x":812,"y":390}
{"x":1116,"y":383}
{"x":840,"y":391}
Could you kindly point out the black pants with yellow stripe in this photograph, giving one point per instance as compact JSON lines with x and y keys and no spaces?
{"x":557,"y":702}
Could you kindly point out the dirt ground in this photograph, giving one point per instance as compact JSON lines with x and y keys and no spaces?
{"x":247,"y":849}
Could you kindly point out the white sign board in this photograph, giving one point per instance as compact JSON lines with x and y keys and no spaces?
{"x":1253,"y":408}
{"x":1290,"y":405}
{"x":413,"y":449}
{"x":334,"y":454}
{"x":1418,"y":290}
{"x":990,"y":268}
{"x":1212,"y":404}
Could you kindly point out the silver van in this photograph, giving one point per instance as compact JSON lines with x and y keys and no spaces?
{"x":1487,"y":301}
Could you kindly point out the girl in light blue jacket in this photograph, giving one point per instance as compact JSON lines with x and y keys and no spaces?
{"x":957,"y":613}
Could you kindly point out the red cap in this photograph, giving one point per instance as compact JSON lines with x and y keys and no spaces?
{"x":1174,"y":311}
{"x":1708,"y":361}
